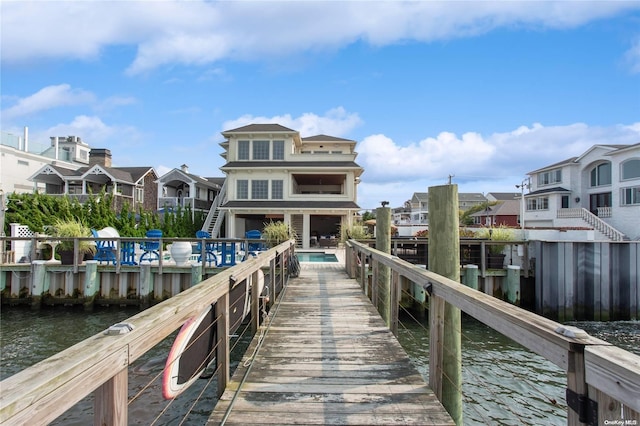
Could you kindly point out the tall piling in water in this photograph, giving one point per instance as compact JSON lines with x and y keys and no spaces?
{"x":445,"y":319}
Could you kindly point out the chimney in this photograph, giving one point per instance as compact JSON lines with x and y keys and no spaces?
{"x":184,"y":168}
{"x":100,"y":156}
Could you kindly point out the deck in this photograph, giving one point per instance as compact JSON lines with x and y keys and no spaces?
{"x":326,"y":357}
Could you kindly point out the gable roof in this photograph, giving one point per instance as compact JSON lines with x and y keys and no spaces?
{"x":325,"y":138}
{"x":420,"y":196}
{"x":503,"y":208}
{"x":558,"y":164}
{"x":118,"y":174}
{"x":504,"y":196}
{"x":471,"y":196}
{"x":255,"y":128}
{"x":546,"y":191}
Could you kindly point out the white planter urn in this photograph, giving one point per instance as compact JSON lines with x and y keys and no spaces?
{"x":180,"y":252}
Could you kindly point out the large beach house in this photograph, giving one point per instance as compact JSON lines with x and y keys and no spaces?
{"x":600,"y":189}
{"x":274,"y":174}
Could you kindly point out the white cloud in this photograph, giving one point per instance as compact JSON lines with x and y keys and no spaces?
{"x":335,"y":122}
{"x":96,"y":133}
{"x":48,"y":98}
{"x":198,"y":32}
{"x":478,"y":163}
{"x":632,"y":57}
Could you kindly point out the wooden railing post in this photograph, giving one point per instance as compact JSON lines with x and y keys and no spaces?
{"x":110,"y":401}
{"x":374,"y":283}
{"x":222,"y":350}
{"x":383,"y":244}
{"x":255,"y":302}
{"x":394,"y":300}
{"x":272,"y":279}
{"x":363,"y":273}
{"x":576,"y":383}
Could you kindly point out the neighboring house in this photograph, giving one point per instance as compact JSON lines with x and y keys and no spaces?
{"x":402,"y":215}
{"x":20,"y":158}
{"x":466,"y":200}
{"x":502,"y":196}
{"x":419,"y":208}
{"x":274,"y":174}
{"x":133,"y":185}
{"x":504,"y":213}
{"x":178,"y":187}
{"x":598,"y":190}
{"x":420,"y":205}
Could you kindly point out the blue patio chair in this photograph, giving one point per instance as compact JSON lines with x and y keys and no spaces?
{"x":151,"y":246}
{"x":253,"y":248}
{"x":105,"y":249}
{"x":128,"y":253}
{"x":209,"y":248}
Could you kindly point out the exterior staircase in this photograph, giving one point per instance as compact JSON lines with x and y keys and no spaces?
{"x":595,"y":221}
{"x":297,"y":225}
{"x":215,"y":217}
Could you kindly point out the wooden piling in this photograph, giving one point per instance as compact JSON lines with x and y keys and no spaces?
{"x":445,"y":366}
{"x":39,"y":275}
{"x":383,"y":243}
{"x":91,"y":284}
{"x":513,"y":284}
{"x":470,"y":276}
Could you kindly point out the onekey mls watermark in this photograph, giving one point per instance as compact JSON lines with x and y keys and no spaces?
{"x":628,"y":422}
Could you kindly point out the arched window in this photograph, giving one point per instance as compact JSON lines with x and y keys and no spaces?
{"x":601,"y":174}
{"x":631,"y":169}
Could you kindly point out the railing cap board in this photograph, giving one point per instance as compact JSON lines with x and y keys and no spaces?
{"x":83,"y":362}
{"x":615,"y":372}
{"x":530,"y":330}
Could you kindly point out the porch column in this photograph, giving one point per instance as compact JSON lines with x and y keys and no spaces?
{"x":306,"y":230}
{"x":231,"y":225}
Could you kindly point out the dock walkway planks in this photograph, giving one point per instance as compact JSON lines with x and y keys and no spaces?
{"x":329,"y":359}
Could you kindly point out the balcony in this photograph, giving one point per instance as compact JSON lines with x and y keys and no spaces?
{"x":193,"y":203}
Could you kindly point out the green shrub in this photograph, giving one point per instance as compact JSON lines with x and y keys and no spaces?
{"x":277,"y":232}
{"x":356,"y":232}
{"x":73,"y":228}
{"x":498,"y":233}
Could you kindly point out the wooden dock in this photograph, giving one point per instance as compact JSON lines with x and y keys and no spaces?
{"x":326,"y":357}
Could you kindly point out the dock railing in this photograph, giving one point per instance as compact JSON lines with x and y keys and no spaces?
{"x":99,"y":364}
{"x":603,"y":381}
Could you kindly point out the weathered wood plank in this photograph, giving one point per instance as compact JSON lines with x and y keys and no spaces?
{"x":327,"y":358}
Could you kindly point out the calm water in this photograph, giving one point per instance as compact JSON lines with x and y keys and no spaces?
{"x":503,"y":382}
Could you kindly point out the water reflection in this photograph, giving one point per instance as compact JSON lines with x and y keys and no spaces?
{"x":503,"y":382}
{"x":28,"y":337}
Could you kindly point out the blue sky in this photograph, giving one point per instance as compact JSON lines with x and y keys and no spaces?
{"x":484,"y":91}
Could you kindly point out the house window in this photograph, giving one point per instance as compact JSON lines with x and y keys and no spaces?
{"x":550,"y":177}
{"x":259,"y":189}
{"x":631,"y":196}
{"x":565,"y":202}
{"x":278,"y":150}
{"x":242,"y":190}
{"x":276,"y":190}
{"x":139,"y":194}
{"x":260,"y":150}
{"x":601,"y":175}
{"x":631,"y":169}
{"x":243,"y":150}
{"x":540,"y":203}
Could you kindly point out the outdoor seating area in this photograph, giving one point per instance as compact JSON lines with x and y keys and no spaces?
{"x":112,"y":249}
{"x":328,"y":241}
